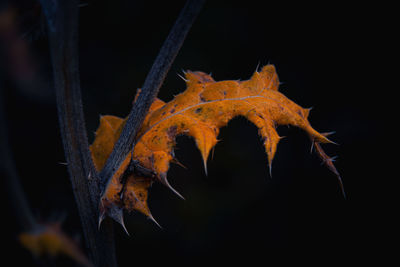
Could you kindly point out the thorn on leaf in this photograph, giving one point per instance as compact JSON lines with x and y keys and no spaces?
{"x":163,"y":179}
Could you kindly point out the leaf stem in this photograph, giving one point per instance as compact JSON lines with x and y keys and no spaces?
{"x":150,"y":88}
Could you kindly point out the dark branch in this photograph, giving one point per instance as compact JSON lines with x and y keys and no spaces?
{"x":62,"y":18}
{"x":151,"y":86}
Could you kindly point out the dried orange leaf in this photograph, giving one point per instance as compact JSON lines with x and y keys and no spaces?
{"x":199,"y":112}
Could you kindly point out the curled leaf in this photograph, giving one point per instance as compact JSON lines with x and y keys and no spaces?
{"x":199,"y":112}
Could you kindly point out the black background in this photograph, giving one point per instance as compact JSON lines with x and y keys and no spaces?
{"x":328,"y":57}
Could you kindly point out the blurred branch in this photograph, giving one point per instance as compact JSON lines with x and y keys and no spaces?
{"x":34,"y":235}
{"x":151,"y":86}
{"x":14,"y":189}
{"x":62,"y":20}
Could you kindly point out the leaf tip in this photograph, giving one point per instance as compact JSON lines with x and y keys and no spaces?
{"x":150,"y":217}
{"x":341,"y":186}
{"x":270,"y":168}
{"x":177,"y":162}
{"x":101,"y":218}
{"x":205,"y":166}
{"x":164,"y":181}
{"x":180,"y":76}
{"x":112,"y":211}
{"x":117,"y":215}
{"x":327,"y":139}
{"x":124,"y":227}
{"x":102,"y":213}
{"x":328,"y":161}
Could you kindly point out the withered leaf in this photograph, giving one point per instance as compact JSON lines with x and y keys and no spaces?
{"x":199,"y":112}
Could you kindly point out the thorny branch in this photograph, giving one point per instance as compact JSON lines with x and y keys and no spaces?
{"x":150,"y":88}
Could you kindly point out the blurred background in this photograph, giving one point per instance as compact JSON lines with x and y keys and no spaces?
{"x":326,"y":58}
